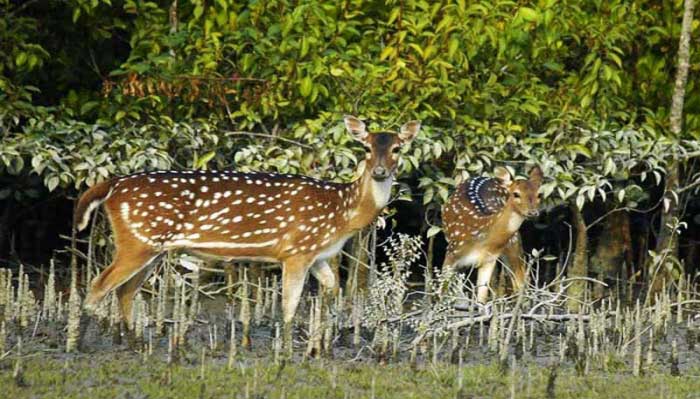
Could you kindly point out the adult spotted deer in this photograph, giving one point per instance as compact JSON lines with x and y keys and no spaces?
{"x":481,"y":220}
{"x":295,"y":220}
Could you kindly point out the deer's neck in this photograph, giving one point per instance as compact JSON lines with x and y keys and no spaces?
{"x":507,"y":224}
{"x":370,"y":198}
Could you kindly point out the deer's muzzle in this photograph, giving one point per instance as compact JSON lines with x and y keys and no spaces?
{"x":533,"y":213}
{"x":380,"y":173}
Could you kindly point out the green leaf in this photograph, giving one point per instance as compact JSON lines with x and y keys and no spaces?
{"x":428,"y":195}
{"x":21,"y":59}
{"x":433,"y":230}
{"x":304,"y":47}
{"x":88,"y":106}
{"x":580,"y":149}
{"x":547,"y":189}
{"x":387,"y":52}
{"x":528,"y":14}
{"x":52,"y":182}
{"x":198,"y":11}
{"x":306,"y":86}
{"x":586,"y":101}
{"x":15,"y":165}
{"x":204,"y":160}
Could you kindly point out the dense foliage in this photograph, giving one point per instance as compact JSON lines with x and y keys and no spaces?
{"x":514,"y":81}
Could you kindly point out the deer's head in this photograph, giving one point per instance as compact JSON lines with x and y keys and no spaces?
{"x":523,"y":194}
{"x":383,"y":155}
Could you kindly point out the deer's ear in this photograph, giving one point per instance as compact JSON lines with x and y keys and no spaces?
{"x":536,"y":175}
{"x":409,"y":131}
{"x":503,"y":175}
{"x":356,"y":127}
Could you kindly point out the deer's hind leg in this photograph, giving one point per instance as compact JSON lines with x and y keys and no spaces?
{"x":129,"y":260}
{"x":127,"y":291}
{"x":321,"y":270}
{"x":483,"y":279}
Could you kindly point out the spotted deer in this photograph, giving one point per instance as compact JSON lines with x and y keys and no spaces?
{"x":481,"y":220}
{"x":295,"y":220}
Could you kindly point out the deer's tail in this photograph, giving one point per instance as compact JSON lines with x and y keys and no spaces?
{"x":90,"y":200}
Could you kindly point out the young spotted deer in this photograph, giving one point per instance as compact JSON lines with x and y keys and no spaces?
{"x":295,"y":220}
{"x":481,"y":220}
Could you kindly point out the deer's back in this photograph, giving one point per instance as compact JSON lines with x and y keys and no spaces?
{"x":472,"y":210}
{"x":230,"y":212}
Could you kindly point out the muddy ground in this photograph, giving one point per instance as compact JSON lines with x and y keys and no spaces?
{"x":201,"y":367}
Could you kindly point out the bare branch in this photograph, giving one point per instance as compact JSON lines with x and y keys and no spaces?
{"x":270,"y":136}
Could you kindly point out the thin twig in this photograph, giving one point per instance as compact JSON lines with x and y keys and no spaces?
{"x":269,"y":136}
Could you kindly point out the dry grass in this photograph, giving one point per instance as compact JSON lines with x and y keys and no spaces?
{"x":206,"y":338}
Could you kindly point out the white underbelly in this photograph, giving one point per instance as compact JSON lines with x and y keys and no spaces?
{"x":332,"y":249}
{"x":209,"y":256}
{"x":476,"y":258}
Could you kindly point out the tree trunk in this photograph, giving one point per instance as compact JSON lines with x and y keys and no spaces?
{"x":359,"y":264}
{"x":667,"y":238}
{"x":613,"y":254}
{"x":173,"y":17}
{"x":256,"y":274}
{"x":579,"y":265}
{"x":4,"y":225}
{"x":667,"y":241}
{"x":678,"y":98}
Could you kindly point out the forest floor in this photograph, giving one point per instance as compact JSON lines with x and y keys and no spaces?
{"x":201,"y":367}
{"x":126,"y":374}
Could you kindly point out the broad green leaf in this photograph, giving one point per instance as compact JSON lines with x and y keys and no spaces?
{"x":433,"y":230}
{"x":529,"y":14}
{"x":306,"y":86}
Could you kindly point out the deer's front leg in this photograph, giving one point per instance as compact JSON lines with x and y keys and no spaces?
{"x":449,"y":269}
{"x":483,"y":278}
{"x":293,"y":277}
{"x":513,"y":253}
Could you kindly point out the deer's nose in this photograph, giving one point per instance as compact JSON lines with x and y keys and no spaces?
{"x":533,"y":213}
{"x":380,"y":172}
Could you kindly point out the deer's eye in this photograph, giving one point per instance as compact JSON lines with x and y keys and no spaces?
{"x":516,"y":194}
{"x":396,"y":150}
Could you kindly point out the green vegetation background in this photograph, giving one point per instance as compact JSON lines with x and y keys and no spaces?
{"x":92,"y":88}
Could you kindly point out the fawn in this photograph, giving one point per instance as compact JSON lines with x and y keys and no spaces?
{"x":481,"y":220}
{"x":297,"y":221}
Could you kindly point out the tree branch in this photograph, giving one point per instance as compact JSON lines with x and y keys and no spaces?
{"x":270,"y":136}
